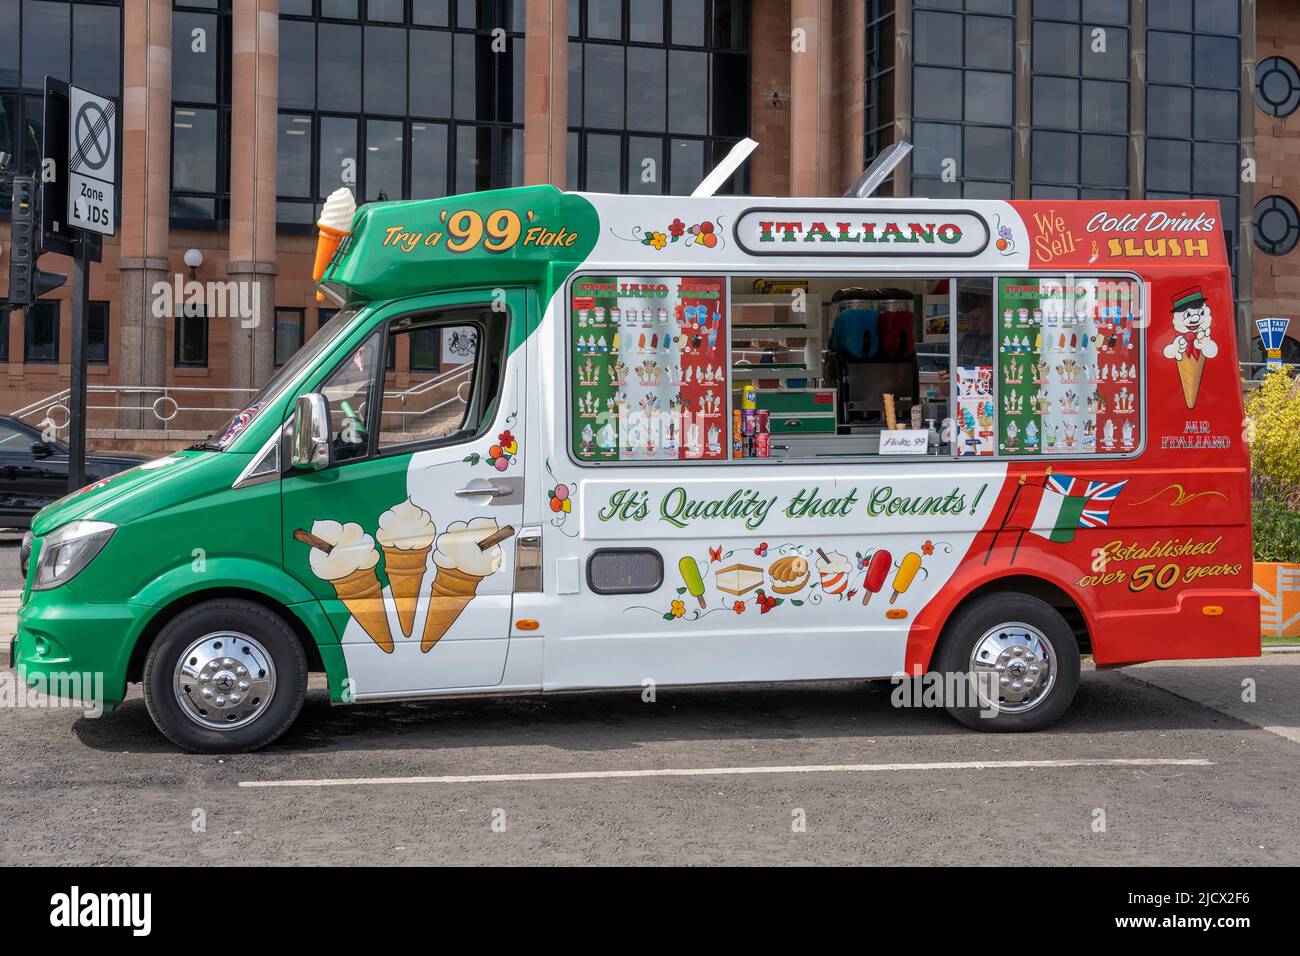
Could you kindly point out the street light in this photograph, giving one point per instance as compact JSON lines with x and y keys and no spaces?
{"x":193,"y":259}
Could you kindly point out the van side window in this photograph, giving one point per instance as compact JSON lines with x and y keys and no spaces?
{"x":444,"y":376}
{"x":347,"y":391}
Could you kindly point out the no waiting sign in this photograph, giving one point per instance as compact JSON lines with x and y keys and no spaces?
{"x":92,"y":161}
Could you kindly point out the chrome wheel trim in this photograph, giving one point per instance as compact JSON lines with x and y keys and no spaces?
{"x":224,"y":680}
{"x":1019,"y":661}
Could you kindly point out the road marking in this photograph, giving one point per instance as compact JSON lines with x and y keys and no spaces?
{"x":735,"y":771}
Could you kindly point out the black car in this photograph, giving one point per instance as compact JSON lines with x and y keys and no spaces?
{"x":34,"y":470}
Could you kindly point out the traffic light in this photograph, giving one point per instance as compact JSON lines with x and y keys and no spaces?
{"x":26,"y":282}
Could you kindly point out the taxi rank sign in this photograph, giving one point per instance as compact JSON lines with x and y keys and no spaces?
{"x":92,"y":161}
{"x":1271,"y":334}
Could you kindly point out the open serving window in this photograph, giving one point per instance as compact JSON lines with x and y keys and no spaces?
{"x":797,"y":368}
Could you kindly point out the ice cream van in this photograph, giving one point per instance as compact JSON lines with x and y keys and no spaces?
{"x":556,"y":440}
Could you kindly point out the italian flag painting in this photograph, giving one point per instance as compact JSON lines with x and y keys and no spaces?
{"x":1072,"y":503}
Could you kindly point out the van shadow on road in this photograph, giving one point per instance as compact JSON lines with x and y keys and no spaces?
{"x":594,"y":721}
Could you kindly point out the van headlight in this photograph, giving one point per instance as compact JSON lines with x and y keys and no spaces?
{"x":66,"y":551}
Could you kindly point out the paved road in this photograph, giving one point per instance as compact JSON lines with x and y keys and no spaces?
{"x":111,"y":791}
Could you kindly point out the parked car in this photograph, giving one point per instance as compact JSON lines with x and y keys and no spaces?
{"x":34,"y":470}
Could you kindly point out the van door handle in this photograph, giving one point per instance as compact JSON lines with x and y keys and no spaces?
{"x":490,"y":491}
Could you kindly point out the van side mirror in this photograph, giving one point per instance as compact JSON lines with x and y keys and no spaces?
{"x":41,"y":449}
{"x":311,"y":432}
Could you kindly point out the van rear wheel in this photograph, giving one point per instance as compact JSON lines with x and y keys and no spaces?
{"x":1022,"y":659}
{"x":225,"y":676}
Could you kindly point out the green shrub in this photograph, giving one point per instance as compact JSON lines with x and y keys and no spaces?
{"x":1277,"y":529}
{"x":1273,"y":430}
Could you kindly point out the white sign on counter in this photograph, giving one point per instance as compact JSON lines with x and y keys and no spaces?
{"x":904,"y":441}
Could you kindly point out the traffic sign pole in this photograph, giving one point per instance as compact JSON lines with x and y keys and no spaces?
{"x":77,"y":385}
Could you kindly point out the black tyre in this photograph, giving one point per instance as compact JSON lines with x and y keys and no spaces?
{"x":1020,"y":651}
{"x":225,"y":676}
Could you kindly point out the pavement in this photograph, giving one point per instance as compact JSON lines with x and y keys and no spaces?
{"x":1157,"y":764}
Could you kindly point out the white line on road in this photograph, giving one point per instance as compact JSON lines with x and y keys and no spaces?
{"x":735,"y":771}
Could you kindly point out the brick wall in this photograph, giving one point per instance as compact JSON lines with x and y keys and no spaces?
{"x":769,"y":173}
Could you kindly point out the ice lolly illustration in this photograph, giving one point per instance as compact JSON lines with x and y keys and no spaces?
{"x":907,"y":569}
{"x":690,"y":571}
{"x":345,"y":556}
{"x":406,"y":533}
{"x":877,"y":570}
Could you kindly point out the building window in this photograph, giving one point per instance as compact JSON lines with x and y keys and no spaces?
{"x":200,"y":190}
{"x":1277,"y":225}
{"x":413,"y":102}
{"x":76,"y":42}
{"x":192,"y":337}
{"x":41,"y":334}
{"x":1079,"y":100}
{"x":963,"y":100}
{"x":1277,"y":86}
{"x":323,"y":316}
{"x":878,"y":103}
{"x":4,"y":333}
{"x":97,"y":334}
{"x":426,"y":352}
{"x":658,"y":93}
{"x":288,"y":334}
{"x":1194,"y":105}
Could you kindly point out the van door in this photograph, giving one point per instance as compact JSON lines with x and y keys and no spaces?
{"x":407,"y":536}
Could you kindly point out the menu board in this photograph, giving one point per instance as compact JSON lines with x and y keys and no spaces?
{"x":1069,"y":360}
{"x":648,"y":359}
{"x":974,"y":426}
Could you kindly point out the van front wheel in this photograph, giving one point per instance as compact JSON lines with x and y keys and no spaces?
{"x":1019,"y":661}
{"x":225,"y":676}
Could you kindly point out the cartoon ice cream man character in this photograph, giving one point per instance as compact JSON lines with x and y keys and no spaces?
{"x":406,"y":533}
{"x":1192,"y":344}
{"x":345,"y":556}
{"x":466,"y":553}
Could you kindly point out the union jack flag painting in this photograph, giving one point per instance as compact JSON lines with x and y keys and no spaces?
{"x":1071,"y":503}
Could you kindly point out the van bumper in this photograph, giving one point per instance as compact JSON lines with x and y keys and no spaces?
{"x":1201,"y":624}
{"x":64,"y":643}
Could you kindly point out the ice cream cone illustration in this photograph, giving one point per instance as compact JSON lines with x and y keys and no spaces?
{"x":1190,"y":370}
{"x":335,"y":222}
{"x":466,"y":553}
{"x":406,"y":534}
{"x":345,"y":555}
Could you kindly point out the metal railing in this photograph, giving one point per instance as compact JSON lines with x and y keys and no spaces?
{"x":164,"y":409}
{"x":158,"y":408}
{"x":404,"y":398}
